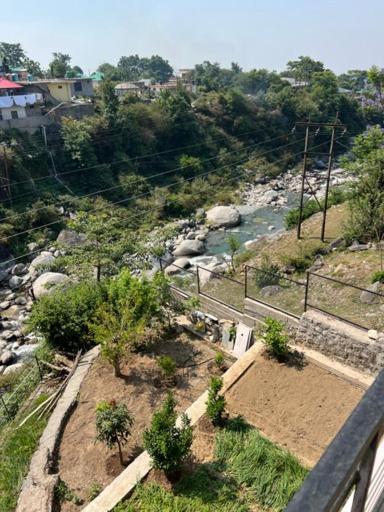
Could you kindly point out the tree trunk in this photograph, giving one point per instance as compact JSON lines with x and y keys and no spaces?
{"x":120,"y":454}
{"x":116,"y":366}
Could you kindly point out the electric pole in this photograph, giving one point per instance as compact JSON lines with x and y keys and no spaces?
{"x":317,"y":126}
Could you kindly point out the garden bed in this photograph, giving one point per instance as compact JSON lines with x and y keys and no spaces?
{"x":300,"y":405}
{"x":85,"y":465}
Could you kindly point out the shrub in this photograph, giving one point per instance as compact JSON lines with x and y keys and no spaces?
{"x":378,"y":276}
{"x":167,"y":365}
{"x":268,"y":274}
{"x":304,"y":256}
{"x":64,"y":317}
{"x":113,"y":424}
{"x":219,"y":359}
{"x":167,"y":444}
{"x":215,"y":403}
{"x":274,"y":338}
{"x":64,"y":493}
{"x":94,"y":490}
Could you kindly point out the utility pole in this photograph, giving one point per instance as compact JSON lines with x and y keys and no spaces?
{"x":317,"y":126}
{"x":329,"y":169}
{"x":303,"y":179}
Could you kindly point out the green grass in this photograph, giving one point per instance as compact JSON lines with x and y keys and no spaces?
{"x":16,"y":450}
{"x":248,"y":471}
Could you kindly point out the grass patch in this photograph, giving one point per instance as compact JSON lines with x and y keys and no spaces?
{"x":248,"y":471}
{"x":16,"y":450}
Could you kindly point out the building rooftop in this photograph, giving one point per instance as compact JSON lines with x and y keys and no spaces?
{"x":8,"y":84}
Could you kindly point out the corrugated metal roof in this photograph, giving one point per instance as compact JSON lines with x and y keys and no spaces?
{"x":7,"y":84}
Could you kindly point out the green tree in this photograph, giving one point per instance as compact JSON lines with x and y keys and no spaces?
{"x":13,"y":53}
{"x":109,"y":71}
{"x":304,"y":68}
{"x":115,"y":332}
{"x":59,"y":65}
{"x":167,"y":444}
{"x":109,"y":102}
{"x":234,"y":245}
{"x":275,"y":339}
{"x":113,"y":425}
{"x":158,"y":69}
{"x":376,"y":78}
{"x":78,"y":141}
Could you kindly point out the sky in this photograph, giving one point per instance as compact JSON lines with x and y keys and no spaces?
{"x":344,"y":34}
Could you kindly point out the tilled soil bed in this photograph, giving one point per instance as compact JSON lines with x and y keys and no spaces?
{"x":84,"y":463}
{"x":299,"y":406}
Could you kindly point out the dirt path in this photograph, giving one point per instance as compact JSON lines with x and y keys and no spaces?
{"x":299,"y":409}
{"x":84,"y":462}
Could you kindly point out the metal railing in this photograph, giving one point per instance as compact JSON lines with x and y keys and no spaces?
{"x":343,"y":301}
{"x":349,"y":477}
{"x":221,"y":288}
{"x":275,"y":290}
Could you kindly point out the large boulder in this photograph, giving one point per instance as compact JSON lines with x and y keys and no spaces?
{"x":8,"y":357}
{"x":71,"y":238}
{"x":15,"y":282}
{"x":189,"y":248}
{"x":223,"y":216}
{"x":47,"y":282}
{"x":43,"y":260}
{"x":366,"y":297}
{"x":177,"y":266}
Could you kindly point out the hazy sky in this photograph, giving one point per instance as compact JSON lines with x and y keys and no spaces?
{"x":344,"y":34}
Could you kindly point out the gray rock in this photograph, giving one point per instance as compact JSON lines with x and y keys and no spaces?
{"x":177,"y":266}
{"x":189,"y":248}
{"x":370,"y":298}
{"x":270,"y":196}
{"x":33,"y":246}
{"x":71,"y":238}
{"x":373,"y":334}
{"x":268,"y":291}
{"x":5,"y":304}
{"x":13,"y":368}
{"x":21,"y":301}
{"x":7,"y":335}
{"x":47,"y":282}
{"x":25,"y":351}
{"x":356,"y":247}
{"x":44,"y":259}
{"x":223,"y":216}
{"x":8,"y":357}
{"x":15,"y":282}
{"x":18,"y":269}
{"x":2,"y":368}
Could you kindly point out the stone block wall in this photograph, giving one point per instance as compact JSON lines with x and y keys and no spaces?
{"x":341,"y":341}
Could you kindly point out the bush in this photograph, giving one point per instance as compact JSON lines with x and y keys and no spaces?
{"x":268,"y":274}
{"x":215,"y":403}
{"x":274,"y":338}
{"x":64,"y":317}
{"x":304,"y":256}
{"x":167,"y":365}
{"x":113,"y":424}
{"x":167,"y":444}
{"x":219,"y":359}
{"x":378,"y":276}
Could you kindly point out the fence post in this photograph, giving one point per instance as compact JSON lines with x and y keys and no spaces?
{"x":161,"y":264}
{"x":198,"y":279}
{"x":39,"y":367}
{"x":246,"y":282}
{"x":306,"y":292}
{"x":5,"y":406}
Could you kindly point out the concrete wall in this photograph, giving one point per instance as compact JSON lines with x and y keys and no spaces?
{"x":61,"y":91}
{"x":341,"y":341}
{"x":6,"y":113}
{"x":27,"y":124}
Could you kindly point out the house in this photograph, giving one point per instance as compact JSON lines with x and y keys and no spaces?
{"x":97,"y":77}
{"x":131,"y":88}
{"x":172,"y":85}
{"x":295,"y":83}
{"x":19,"y":108}
{"x":62,"y":89}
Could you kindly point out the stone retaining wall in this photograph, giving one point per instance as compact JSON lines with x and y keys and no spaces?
{"x":341,"y":341}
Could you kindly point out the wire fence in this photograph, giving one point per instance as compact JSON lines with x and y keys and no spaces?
{"x":350,"y":303}
{"x":358,"y":306}
{"x":275,"y":290}
{"x":16,"y":388}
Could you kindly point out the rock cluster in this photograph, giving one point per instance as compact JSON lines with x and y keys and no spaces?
{"x":20,"y":284}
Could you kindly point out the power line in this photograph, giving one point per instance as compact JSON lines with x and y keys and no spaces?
{"x":136,"y":197}
{"x":154,"y":175}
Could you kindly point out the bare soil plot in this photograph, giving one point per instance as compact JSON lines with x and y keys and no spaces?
{"x":82,"y":462}
{"x":300,"y":408}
